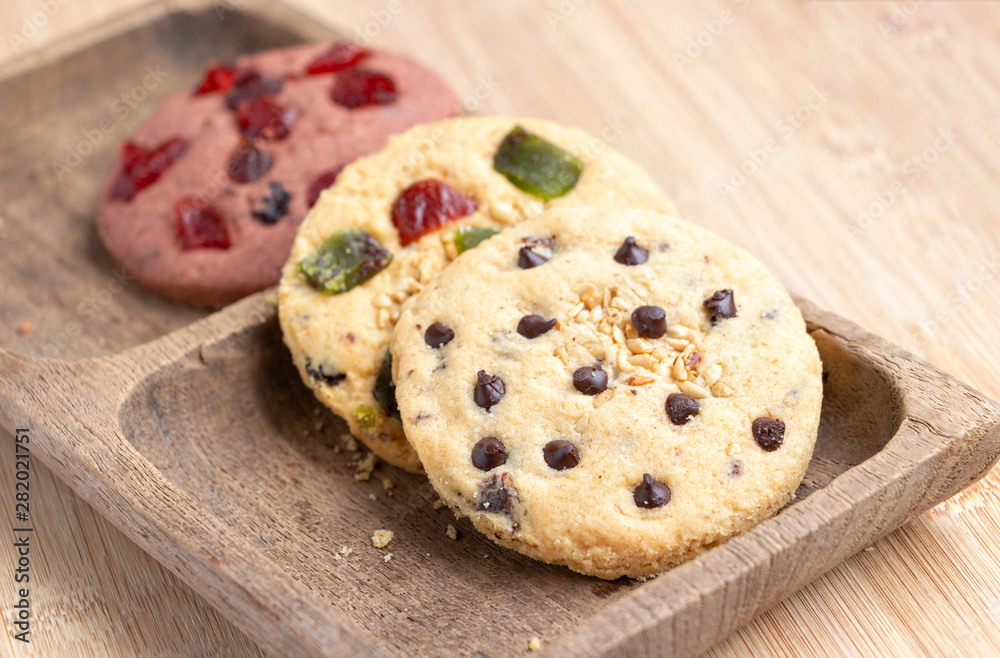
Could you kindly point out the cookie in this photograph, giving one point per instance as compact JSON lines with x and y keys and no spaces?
{"x":634,"y":392}
{"x":432,"y":191}
{"x":209,"y":192}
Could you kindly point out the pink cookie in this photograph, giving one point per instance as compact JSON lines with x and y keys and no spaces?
{"x":210,"y":190}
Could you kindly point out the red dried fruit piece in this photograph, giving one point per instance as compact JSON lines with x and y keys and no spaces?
{"x":426,"y":206}
{"x":141,"y":167}
{"x":323,"y":181}
{"x":200,"y":226}
{"x":217,"y":78}
{"x":249,"y":163}
{"x":264,"y":119}
{"x":340,"y":56}
{"x":360,"y":87}
{"x":250,"y":84}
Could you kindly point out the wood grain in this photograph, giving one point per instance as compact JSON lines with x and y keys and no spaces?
{"x":892,"y":89}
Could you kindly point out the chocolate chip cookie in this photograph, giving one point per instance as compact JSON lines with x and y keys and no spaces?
{"x":395,"y":219}
{"x":210,"y":190}
{"x":613,"y":390}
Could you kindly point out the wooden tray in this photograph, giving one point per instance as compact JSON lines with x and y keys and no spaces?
{"x":205,"y":448}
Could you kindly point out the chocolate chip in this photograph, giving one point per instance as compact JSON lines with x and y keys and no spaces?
{"x":769,"y":433}
{"x":249,"y":85}
{"x":497,"y":494}
{"x":275,"y":206}
{"x":319,"y":374}
{"x":651,"y":493}
{"x":528,"y":258}
{"x":488,"y":391}
{"x":438,"y":335}
{"x":247,"y":163}
{"x":385,"y":389}
{"x":721,"y":304}
{"x":650,"y":321}
{"x":561,"y":455}
{"x":590,"y":380}
{"x":681,"y":408}
{"x":630,"y":253}
{"x":533,"y":326}
{"x":488,"y":453}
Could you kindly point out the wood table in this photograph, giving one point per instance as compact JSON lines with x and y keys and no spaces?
{"x":852,"y":146}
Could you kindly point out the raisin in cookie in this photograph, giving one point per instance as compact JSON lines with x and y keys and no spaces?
{"x":210,"y":190}
{"x":395,"y":219}
{"x":612,"y":390}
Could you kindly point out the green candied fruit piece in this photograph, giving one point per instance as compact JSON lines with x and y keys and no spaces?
{"x":385,"y":388}
{"x":536,"y":166}
{"x":470,"y":236}
{"x":346,"y":259}
{"x":366,"y":416}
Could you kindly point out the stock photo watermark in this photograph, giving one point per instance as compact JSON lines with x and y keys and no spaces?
{"x":711,"y":30}
{"x":35,"y":23}
{"x":785,"y":128}
{"x":119,"y":110}
{"x":913,"y":169}
{"x":23,"y":530}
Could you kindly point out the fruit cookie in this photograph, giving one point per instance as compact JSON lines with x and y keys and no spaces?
{"x":395,"y":219}
{"x":204,"y":205}
{"x":612,"y":390}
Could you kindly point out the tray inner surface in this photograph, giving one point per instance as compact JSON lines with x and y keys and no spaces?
{"x":234,"y":427}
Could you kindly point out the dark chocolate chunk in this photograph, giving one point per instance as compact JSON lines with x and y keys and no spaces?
{"x":488,"y":391}
{"x":488,"y":453}
{"x":650,"y":321}
{"x":561,"y":455}
{"x":769,"y":433}
{"x":651,"y":493}
{"x":385,"y":388}
{"x":681,"y":408}
{"x":630,"y":253}
{"x":247,"y":163}
{"x":721,"y":304}
{"x":533,"y":326}
{"x":249,"y":85}
{"x":590,"y":380}
{"x":438,"y":335}
{"x":497,"y":494}
{"x":331,"y":378}
{"x":528,"y":258}
{"x":275,"y":206}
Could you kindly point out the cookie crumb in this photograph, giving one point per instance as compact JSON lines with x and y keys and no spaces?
{"x":350,"y":443}
{"x":381,"y":538}
{"x":25,"y":328}
{"x":388,"y":556}
{"x":362,"y":477}
{"x":345,"y":551}
{"x":535,"y":644}
{"x":373,"y":496}
{"x":367,"y":465}
{"x":438,"y":504}
{"x":387,"y":483}
{"x":451,"y":532}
